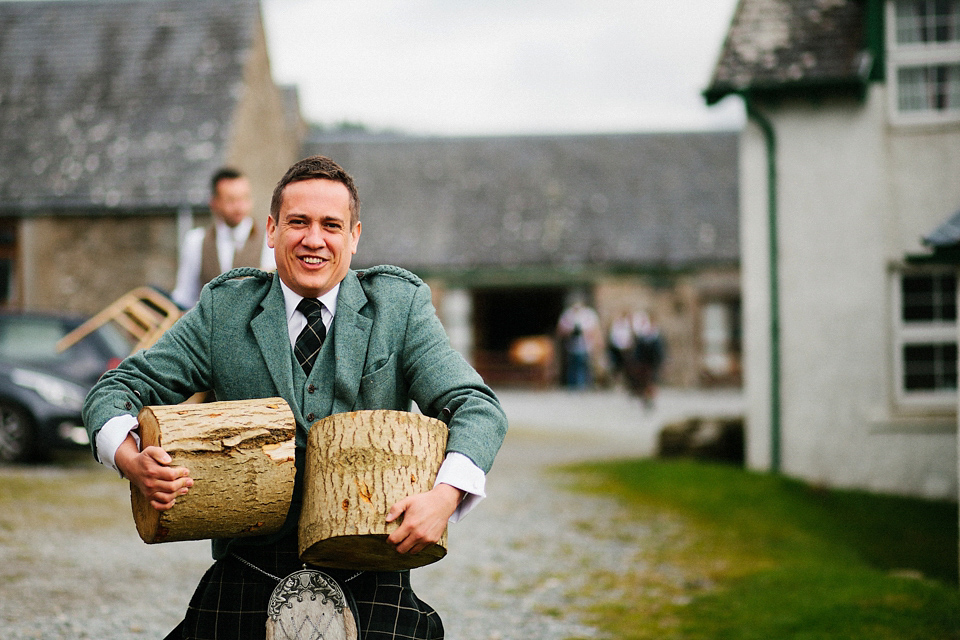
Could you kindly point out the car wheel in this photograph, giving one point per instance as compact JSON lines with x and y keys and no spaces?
{"x":17,"y":436}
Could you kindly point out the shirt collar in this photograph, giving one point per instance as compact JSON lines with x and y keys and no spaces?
{"x":291,"y":299}
{"x":237,"y":234}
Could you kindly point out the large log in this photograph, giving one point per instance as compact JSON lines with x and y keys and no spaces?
{"x":241,"y":457}
{"x":357,"y":466}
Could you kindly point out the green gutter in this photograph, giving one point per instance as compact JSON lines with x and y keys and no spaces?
{"x":874,"y":41}
{"x":771,"y":145}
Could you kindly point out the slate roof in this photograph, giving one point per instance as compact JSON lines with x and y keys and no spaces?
{"x":120,"y":105}
{"x":777,"y":45}
{"x":941,"y":246}
{"x":945,"y":235}
{"x":658,"y":200}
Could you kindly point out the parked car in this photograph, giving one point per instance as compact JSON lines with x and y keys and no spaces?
{"x":41,"y":389}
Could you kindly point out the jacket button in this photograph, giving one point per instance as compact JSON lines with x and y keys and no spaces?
{"x":129,"y":405}
{"x":311,"y":389}
{"x":311,"y":417}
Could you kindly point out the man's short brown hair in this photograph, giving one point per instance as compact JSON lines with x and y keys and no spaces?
{"x":316,"y":168}
{"x":224,"y":173}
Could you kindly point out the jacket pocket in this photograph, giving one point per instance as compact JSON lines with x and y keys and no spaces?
{"x":380,"y":389}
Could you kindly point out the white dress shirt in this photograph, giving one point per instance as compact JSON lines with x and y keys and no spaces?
{"x":457,"y":469}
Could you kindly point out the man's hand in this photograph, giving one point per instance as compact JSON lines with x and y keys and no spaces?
{"x":425,"y":516}
{"x":148,"y":471}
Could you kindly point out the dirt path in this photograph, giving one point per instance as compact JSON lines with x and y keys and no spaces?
{"x":519,"y":567}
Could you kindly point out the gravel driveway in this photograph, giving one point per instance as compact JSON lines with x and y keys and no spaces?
{"x":520,"y":566}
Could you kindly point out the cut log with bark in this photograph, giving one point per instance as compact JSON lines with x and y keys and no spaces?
{"x":358,"y":465}
{"x":240,"y":455}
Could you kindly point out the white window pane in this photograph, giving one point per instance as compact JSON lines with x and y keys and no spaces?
{"x":908,"y":22}
{"x":953,"y":87}
{"x":928,"y":297}
{"x":911,"y":82}
{"x":927,"y":21}
{"x":929,"y":88}
{"x":930,"y":366}
{"x":716,"y":335}
{"x":925,"y":339}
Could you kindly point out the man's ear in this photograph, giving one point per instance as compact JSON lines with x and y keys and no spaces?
{"x":356,"y":236}
{"x":271,"y":228}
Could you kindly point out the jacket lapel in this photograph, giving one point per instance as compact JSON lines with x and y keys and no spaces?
{"x":351,"y":334}
{"x":270,"y":330}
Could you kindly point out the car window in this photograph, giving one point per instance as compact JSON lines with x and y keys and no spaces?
{"x":33,"y":340}
{"x":29,"y":339}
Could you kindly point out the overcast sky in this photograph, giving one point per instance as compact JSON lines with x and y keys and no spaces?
{"x":456,"y":67}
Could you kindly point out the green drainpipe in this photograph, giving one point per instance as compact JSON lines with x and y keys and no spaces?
{"x":771,"y":144}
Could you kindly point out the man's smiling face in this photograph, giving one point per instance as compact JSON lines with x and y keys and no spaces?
{"x":312,"y":240}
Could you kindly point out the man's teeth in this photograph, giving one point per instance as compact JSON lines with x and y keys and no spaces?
{"x":310,"y":260}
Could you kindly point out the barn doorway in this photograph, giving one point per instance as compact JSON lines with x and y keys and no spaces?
{"x":513,"y":334}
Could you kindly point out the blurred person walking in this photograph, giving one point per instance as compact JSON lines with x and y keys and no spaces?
{"x":649,"y":352}
{"x":578,"y":330}
{"x":620,"y":343}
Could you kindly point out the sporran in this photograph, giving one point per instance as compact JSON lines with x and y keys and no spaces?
{"x":309,"y":605}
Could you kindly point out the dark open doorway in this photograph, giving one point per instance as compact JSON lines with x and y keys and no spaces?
{"x":513,"y":329}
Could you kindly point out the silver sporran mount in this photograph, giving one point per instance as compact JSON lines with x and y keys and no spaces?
{"x":309,"y":605}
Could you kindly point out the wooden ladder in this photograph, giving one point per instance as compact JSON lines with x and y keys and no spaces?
{"x":143,"y":314}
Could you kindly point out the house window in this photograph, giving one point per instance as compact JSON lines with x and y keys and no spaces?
{"x":926,"y":338}
{"x":720,"y":339}
{"x":929,"y":366}
{"x":923,"y":52}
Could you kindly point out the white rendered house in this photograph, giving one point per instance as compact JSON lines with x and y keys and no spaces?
{"x":849,"y":160}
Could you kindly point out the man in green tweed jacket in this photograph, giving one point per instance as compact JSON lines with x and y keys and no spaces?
{"x":381,"y":346}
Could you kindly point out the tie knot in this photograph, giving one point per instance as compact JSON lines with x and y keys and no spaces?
{"x":310,"y":307}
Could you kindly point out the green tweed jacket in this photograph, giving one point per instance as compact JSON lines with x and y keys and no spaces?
{"x":385,"y":349}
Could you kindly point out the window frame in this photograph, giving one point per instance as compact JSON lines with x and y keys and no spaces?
{"x":728,"y":349}
{"x":905,"y":333}
{"x":912,"y":55}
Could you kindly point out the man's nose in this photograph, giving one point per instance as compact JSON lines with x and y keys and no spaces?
{"x":314,"y":236}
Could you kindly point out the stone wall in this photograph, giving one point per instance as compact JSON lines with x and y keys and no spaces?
{"x":80,"y":264}
{"x":675,"y":304}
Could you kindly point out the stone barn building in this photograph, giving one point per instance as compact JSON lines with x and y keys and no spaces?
{"x":113,"y":116}
{"x":508,"y":230}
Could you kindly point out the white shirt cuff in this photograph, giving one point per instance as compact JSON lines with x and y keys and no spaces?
{"x":459,"y":471}
{"x":111,"y":436}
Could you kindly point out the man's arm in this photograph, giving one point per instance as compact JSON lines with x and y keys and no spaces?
{"x":425,"y":515}
{"x":167,"y":373}
{"x":440,"y":379}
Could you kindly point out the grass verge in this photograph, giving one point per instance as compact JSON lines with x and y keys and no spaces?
{"x":759,"y":556}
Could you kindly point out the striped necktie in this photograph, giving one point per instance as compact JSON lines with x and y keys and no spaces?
{"x":311,"y":338}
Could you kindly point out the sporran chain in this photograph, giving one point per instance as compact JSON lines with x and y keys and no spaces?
{"x":276,"y":578}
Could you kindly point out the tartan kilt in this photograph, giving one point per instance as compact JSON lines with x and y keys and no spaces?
{"x":230,"y":602}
